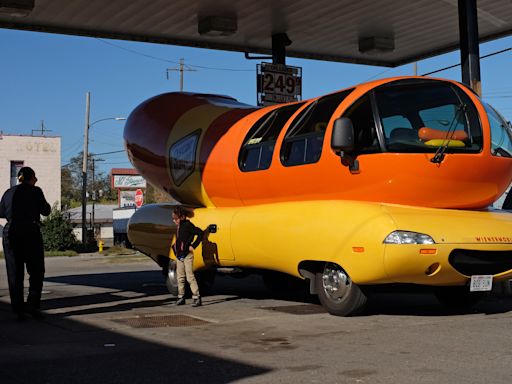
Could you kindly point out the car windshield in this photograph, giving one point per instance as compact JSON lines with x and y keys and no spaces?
{"x":501,"y":134}
{"x":422,"y":117}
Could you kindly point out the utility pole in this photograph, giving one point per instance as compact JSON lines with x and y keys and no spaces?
{"x":94,"y":192}
{"x":181,"y":69}
{"x":84,"y":168}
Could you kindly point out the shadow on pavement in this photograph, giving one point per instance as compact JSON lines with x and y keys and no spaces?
{"x":66,"y":351}
{"x":151,"y":283}
{"x":137,"y":281}
{"x":401,"y":301}
{"x":424,"y":303}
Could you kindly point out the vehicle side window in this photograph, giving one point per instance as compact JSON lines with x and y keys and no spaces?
{"x":303,"y":141}
{"x":365,"y":133}
{"x":501,"y":141}
{"x":258,"y":146}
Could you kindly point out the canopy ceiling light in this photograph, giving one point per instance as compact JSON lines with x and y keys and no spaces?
{"x":376,"y":44}
{"x":16,"y":8}
{"x":217,"y":25}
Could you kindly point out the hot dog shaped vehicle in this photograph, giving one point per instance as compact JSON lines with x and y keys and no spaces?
{"x":385,"y":182}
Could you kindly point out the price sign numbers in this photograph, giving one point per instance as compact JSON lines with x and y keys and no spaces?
{"x":278,"y":83}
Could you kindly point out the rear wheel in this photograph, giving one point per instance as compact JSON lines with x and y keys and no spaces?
{"x":337,"y":293}
{"x":205,"y":280}
{"x":171,"y":279}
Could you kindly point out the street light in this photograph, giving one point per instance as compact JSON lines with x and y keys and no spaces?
{"x":85,"y":158}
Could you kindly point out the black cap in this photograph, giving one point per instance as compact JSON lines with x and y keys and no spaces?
{"x":26,"y":174}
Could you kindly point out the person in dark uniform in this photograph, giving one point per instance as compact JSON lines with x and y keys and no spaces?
{"x":22,"y":206}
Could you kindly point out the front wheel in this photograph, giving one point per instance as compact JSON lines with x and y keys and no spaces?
{"x":337,"y":293}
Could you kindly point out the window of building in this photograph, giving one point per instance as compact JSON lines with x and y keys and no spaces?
{"x":304,"y":140}
{"x":15,"y":167}
{"x":258,"y":148}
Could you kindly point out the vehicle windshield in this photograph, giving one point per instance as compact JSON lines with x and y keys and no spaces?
{"x":501,"y":134}
{"x":426,"y":116}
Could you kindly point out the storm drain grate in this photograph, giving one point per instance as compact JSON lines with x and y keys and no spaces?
{"x":160,"y":321}
{"x":308,"y":309}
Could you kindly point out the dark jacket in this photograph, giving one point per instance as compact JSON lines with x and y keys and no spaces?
{"x":23,"y":205}
{"x":186,"y":232}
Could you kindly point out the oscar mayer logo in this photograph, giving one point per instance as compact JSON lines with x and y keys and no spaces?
{"x":182,"y":157}
{"x":493,"y":239}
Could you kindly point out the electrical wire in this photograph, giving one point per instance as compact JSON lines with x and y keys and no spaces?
{"x":458,"y":65}
{"x":172,"y":61}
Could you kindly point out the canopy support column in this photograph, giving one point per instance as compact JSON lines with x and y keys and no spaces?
{"x":279,"y":43}
{"x":469,"y":48}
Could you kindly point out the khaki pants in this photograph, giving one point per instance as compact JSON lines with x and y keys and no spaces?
{"x":184,"y":270}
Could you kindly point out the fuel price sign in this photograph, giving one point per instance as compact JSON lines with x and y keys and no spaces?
{"x":278,"y":83}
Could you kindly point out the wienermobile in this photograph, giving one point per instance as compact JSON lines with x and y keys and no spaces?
{"x":382,"y":183}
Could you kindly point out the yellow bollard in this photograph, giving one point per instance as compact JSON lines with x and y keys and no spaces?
{"x":101,"y":243}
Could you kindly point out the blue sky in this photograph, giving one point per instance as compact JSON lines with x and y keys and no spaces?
{"x":46,"y":76}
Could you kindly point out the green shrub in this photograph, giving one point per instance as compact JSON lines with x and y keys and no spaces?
{"x":58,"y":232}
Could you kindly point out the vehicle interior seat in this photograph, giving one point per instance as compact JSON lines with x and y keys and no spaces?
{"x":403,"y":135}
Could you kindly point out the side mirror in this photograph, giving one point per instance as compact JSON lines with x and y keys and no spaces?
{"x":342,"y":143}
{"x":212,"y":228}
{"x":342,"y":139}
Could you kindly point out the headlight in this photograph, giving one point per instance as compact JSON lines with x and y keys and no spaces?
{"x":406,"y":237}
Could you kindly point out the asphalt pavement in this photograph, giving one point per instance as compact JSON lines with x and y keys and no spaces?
{"x":111,"y":320}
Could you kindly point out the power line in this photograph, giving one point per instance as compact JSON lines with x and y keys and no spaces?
{"x":71,"y":149}
{"x":441,"y":69}
{"x":106,"y":153}
{"x":117,"y":163}
{"x":172,"y":61}
{"x":458,"y":65}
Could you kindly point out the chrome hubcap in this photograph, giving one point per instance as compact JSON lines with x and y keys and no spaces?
{"x":172,"y":278}
{"x":335,"y":281}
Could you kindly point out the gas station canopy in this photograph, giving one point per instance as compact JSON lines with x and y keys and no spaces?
{"x":386,"y":33}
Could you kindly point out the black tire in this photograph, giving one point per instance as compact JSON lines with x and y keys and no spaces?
{"x":337,"y":293}
{"x":458,"y":297}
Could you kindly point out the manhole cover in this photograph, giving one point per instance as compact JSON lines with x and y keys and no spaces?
{"x":301,"y":309}
{"x":159,"y":321}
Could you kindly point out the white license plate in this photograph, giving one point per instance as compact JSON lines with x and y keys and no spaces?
{"x":481,"y":283}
